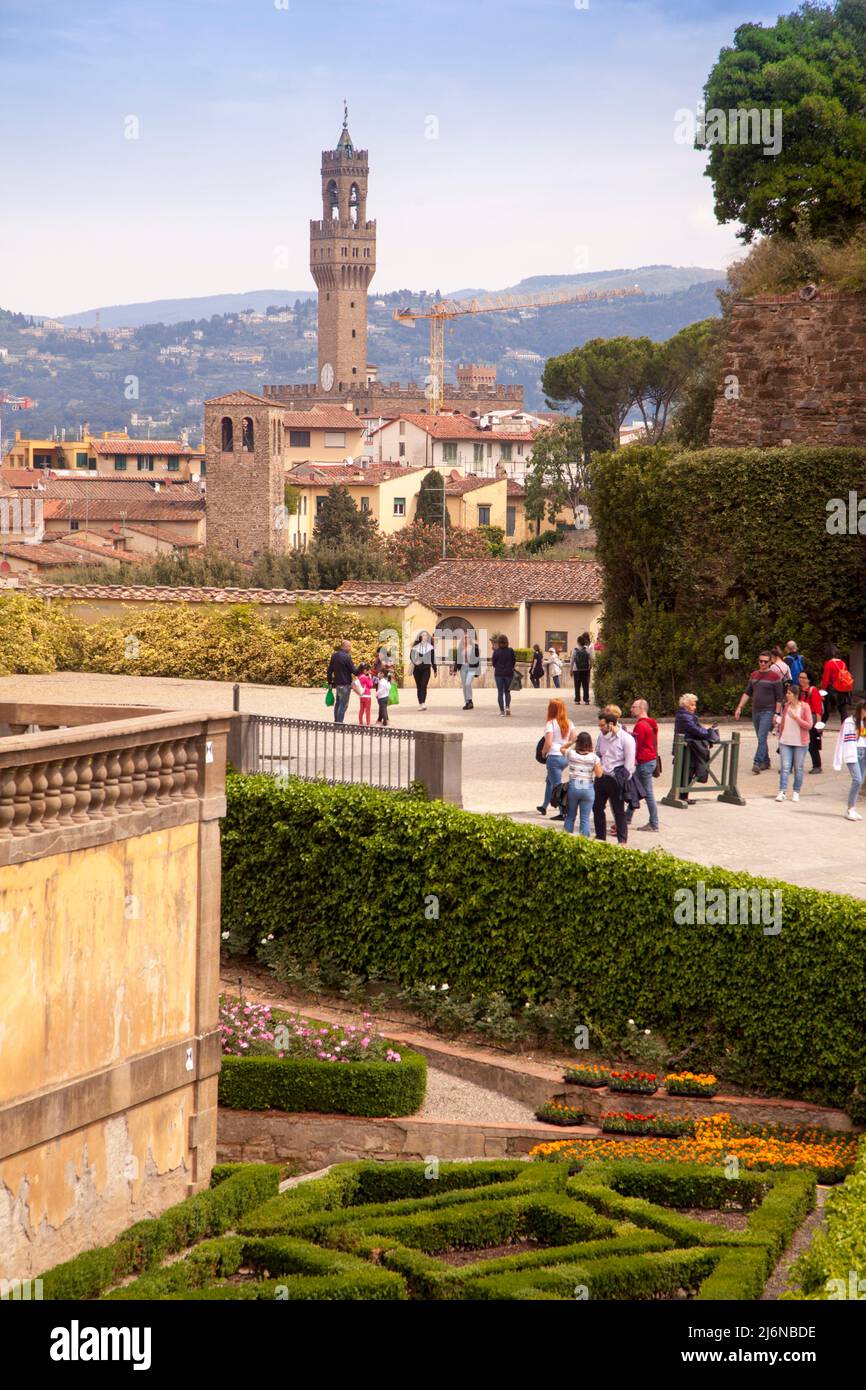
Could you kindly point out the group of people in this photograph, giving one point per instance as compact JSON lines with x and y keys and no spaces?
{"x":784,"y":698}
{"x":616,"y":771}
{"x":551,"y":664}
{"x":366,"y":680}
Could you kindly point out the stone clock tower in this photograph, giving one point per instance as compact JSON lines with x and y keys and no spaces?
{"x":342,"y":262}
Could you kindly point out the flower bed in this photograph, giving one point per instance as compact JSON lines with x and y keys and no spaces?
{"x":686,"y":1083}
{"x":666,"y":1127}
{"x":635,"y":1083}
{"x":274,"y":1060}
{"x":587,"y":1076}
{"x":553,"y":1112}
{"x":716,"y":1142}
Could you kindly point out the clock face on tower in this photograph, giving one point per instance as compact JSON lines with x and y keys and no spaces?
{"x":327,"y":376}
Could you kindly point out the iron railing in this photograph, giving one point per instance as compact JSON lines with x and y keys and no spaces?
{"x":320,"y":750}
{"x":721,"y":778}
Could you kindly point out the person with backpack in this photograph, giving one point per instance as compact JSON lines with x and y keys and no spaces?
{"x":536,"y":669}
{"x":581,"y":665}
{"x":557,"y":731}
{"x":812,"y":697}
{"x":795,"y":662}
{"x":851,"y":750}
{"x":504,"y":663}
{"x":837,"y":683}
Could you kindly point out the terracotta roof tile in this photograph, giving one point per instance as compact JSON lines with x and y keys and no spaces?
{"x":457,"y":487}
{"x":171,"y":594}
{"x":323,"y":417}
{"x":338,"y":475}
{"x":121,"y":445}
{"x":507,"y":583}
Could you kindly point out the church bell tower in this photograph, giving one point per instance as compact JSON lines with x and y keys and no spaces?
{"x":342,"y":262}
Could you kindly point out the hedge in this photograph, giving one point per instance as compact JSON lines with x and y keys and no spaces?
{"x":299,"y":1083}
{"x":824,"y":1271}
{"x":344,"y":874}
{"x":145,"y":1244}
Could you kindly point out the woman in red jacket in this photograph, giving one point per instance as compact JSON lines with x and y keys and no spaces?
{"x":836,"y":699}
{"x":812,"y":697}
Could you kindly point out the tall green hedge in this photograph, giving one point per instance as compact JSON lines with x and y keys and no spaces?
{"x":421,"y":892}
{"x":300,"y":1083}
{"x":697,"y":547}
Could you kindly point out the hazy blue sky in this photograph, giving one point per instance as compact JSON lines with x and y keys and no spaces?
{"x":555,"y":134}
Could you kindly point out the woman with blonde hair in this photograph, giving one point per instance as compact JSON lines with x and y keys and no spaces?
{"x":557,"y":731}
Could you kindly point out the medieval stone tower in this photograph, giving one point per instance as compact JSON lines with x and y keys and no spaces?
{"x":245,"y":442}
{"x":342,"y":262}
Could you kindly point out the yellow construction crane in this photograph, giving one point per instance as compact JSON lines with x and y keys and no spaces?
{"x":446,"y":309}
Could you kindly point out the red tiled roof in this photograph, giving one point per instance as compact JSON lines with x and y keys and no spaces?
{"x":121,"y":487}
{"x":172,"y":594}
{"x":457,"y":427}
{"x":19,"y":477}
{"x":60,"y":551}
{"x":76,"y":541}
{"x":456,"y":487}
{"x":241,"y":398}
{"x":130,"y":509}
{"x":507,"y":583}
{"x":157,"y":533}
{"x":121,"y":445}
{"x":323,"y":417}
{"x":339,"y":475}
{"x":515,"y":489}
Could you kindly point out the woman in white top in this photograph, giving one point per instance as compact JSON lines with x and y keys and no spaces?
{"x":584,"y":766}
{"x":793,"y":740}
{"x":851,"y":750}
{"x":553,"y":663}
{"x":557,"y":731}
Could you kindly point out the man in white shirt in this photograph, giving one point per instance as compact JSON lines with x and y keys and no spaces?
{"x":618,"y":753}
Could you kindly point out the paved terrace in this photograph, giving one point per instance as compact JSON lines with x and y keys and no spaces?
{"x":809,"y":844}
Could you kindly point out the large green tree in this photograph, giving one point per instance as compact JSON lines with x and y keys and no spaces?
{"x":339,"y":521}
{"x":602,"y":377}
{"x":430,"y":503}
{"x":811,"y":67}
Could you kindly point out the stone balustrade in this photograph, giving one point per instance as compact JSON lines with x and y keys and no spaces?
{"x":66,"y":772}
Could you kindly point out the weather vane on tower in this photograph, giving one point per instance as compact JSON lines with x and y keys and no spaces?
{"x":345,"y":114}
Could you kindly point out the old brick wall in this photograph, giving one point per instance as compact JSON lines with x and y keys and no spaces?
{"x":244,"y":489}
{"x":795,"y":372}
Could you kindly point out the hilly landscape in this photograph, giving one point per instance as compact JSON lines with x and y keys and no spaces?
{"x":163,"y":367}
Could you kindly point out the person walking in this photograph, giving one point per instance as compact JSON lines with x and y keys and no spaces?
{"x":383,"y":695}
{"x":340,"y":675}
{"x":536,"y":669}
{"x":363,"y":684}
{"x":645,"y":733}
{"x":557,"y":731}
{"x":797,"y":720}
{"x":581,"y":665}
{"x":812,"y":697}
{"x":764,"y":689}
{"x":617,"y":752}
{"x":795,"y":662}
{"x":468,"y":663}
{"x":851,"y":750}
{"x":836,"y":683}
{"x":553,"y":665}
{"x":781,"y":668}
{"x":422,"y":656}
{"x":584,"y":769}
{"x":504,"y":663}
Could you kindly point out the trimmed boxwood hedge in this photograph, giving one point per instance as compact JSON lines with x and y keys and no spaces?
{"x":344,"y":874}
{"x":146,"y":1243}
{"x":299,"y":1083}
{"x":824,"y":1271}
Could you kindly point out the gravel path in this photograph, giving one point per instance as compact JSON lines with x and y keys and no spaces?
{"x":449,"y":1098}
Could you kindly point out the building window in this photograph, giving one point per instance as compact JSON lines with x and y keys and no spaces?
{"x":145,"y":464}
{"x":449,"y":453}
{"x":402,"y":449}
{"x":299,"y":439}
{"x":399,"y":506}
{"x":304,"y":505}
{"x":120,"y":464}
{"x":559,"y":640}
{"x":174,"y":465}
{"x":365,"y":504}
{"x":228,"y":436}
{"x":247,"y":435}
{"x":74,"y":525}
{"x":490,"y":451}
{"x":202,"y":468}
{"x":510,"y":520}
{"x":477,"y":453}
{"x":505,"y":453}
{"x":81,"y":461}
{"x":335,"y":439}
{"x":402,"y":427}
{"x":344,"y":250}
{"x":354,"y":334}
{"x":483,"y":516}
{"x":320,"y":502}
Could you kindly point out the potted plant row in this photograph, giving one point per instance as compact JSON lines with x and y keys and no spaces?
{"x":553,"y":1112}
{"x":594,"y":1076}
{"x":687,"y":1083}
{"x":662,"y":1126}
{"x":634,"y":1083}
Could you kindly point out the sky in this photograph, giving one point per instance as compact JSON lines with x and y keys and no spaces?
{"x":507,"y":138}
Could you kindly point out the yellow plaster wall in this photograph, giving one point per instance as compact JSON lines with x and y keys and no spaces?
{"x":97,"y":957}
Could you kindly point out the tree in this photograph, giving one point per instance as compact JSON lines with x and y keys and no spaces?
{"x":668,"y":369}
{"x":339,"y":520}
{"x":810,"y":66}
{"x":693,"y":412}
{"x":430,"y":505}
{"x":418,"y":547}
{"x":557,"y":475}
{"x":604,"y":378}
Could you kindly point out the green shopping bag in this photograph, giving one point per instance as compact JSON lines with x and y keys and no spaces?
{"x":330,"y":698}
{"x":394,"y":694}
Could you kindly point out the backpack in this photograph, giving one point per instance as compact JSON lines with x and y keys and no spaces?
{"x":796,"y":664}
{"x":540,"y":757}
{"x":844,"y":680}
{"x":581,"y":659}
